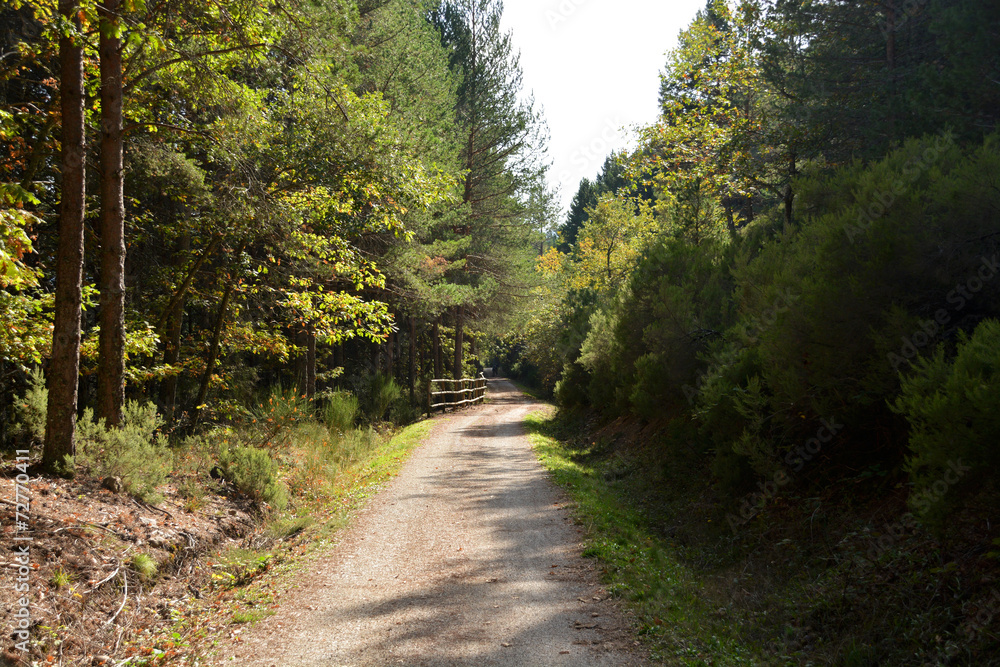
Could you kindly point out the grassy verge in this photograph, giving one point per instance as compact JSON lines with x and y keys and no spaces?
{"x":535,"y":392}
{"x":674,"y":616}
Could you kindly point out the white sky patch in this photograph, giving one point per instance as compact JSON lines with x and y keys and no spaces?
{"x":593,"y":67}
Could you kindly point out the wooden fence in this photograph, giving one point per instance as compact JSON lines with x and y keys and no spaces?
{"x":454,"y":393}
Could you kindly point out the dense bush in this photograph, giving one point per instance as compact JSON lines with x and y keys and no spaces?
{"x":378,"y":393}
{"x":254,"y":473}
{"x":953,"y":408}
{"x":339,"y":410}
{"x":133,"y":451}
{"x":762,"y":337}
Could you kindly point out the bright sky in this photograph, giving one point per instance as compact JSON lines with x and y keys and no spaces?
{"x":593,"y":66}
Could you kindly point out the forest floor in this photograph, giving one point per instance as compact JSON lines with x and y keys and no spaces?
{"x":112,"y":580}
{"x":90,"y":597}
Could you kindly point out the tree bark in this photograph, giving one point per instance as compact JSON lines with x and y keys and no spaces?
{"x":302,"y":361}
{"x":388,"y":354}
{"x":172,"y":339}
{"x":436,"y":348}
{"x":310,"y":361}
{"x":413,"y":358}
{"x":111,"y":360}
{"x":213,"y":351}
{"x":789,"y":192}
{"x":459,"y":341}
{"x":64,"y":366}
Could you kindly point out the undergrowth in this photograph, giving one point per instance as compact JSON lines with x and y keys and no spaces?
{"x":811,"y":579}
{"x":676,"y":619}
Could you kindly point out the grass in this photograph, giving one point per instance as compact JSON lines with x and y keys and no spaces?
{"x":535,"y":392}
{"x":639,"y":566}
{"x":251,"y":615}
{"x":61,"y":578}
{"x":144,"y":565}
{"x":286,"y":527}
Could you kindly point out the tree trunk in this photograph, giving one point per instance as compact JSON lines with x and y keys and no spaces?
{"x":459,"y":342}
{"x":310,"y":362}
{"x":436,"y":348}
{"x":111,"y":361}
{"x":64,"y":365}
{"x":302,"y":361}
{"x":789,"y":192}
{"x":730,"y":222}
{"x":172,"y":339}
{"x":413,"y":358}
{"x":388,"y":354}
{"x":213,"y":351}
{"x":181,"y":292}
{"x":890,"y":35}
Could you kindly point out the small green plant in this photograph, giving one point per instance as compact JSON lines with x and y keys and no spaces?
{"x":380,"y":393}
{"x":283,"y":409}
{"x":193,"y":494}
{"x":251,"y":615}
{"x":134,"y":451}
{"x":61,"y":578}
{"x":339,"y":410}
{"x":285,"y":528}
{"x":953,"y":407}
{"x":254,"y":474}
{"x":144,"y":565}
{"x":32,"y":407}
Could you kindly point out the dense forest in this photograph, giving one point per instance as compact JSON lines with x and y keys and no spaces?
{"x":220,"y":218}
{"x":807,"y":235}
{"x":790,"y":286}
{"x":204,"y":199}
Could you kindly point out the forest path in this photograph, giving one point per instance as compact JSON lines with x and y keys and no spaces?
{"x":468,"y":557}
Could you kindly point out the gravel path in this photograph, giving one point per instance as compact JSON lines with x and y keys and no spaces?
{"x":467,"y":558}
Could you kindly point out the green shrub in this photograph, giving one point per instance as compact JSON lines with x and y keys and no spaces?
{"x":953,"y":408}
{"x":356,"y":445}
{"x":254,"y":473}
{"x":339,"y":410}
{"x":379,"y":393}
{"x":134,"y":451}
{"x":571,"y":389}
{"x":403,"y":412}
{"x":878,"y":250}
{"x":283,"y":409}
{"x":144,"y":565}
{"x":32,"y":407}
{"x":600,"y":357}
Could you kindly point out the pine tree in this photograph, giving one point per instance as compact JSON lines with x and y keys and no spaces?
{"x":501,"y":140}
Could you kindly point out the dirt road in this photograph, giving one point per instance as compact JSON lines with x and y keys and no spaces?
{"x":467,"y":558}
